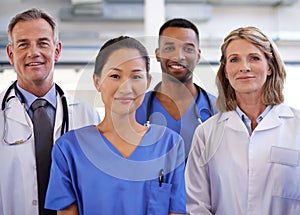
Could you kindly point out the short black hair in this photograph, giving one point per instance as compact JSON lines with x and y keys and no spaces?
{"x":116,"y":44}
{"x":179,"y":23}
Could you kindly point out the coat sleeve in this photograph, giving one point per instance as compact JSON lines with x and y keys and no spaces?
{"x":197,"y":178}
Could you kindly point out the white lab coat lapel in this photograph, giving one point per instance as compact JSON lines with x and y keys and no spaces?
{"x":58,"y":118}
{"x":272,"y":119}
{"x":59,"y":114}
{"x":233,"y":121}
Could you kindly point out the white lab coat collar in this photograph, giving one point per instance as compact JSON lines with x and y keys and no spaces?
{"x":271,"y":120}
{"x":15,"y":115}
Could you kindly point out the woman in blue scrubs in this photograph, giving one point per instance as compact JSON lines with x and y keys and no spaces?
{"x":119,"y":166}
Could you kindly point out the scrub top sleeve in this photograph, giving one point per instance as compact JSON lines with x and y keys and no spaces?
{"x":60,"y":193}
{"x":178,"y":193}
{"x":197,"y":179}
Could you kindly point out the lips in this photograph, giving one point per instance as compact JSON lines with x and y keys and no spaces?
{"x":124,"y":99}
{"x":34,"y":64}
{"x":176,"y":66}
{"x":245,"y":77}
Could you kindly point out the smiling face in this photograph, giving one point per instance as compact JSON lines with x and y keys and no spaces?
{"x":33,"y":53}
{"x":178,"y":52}
{"x":123,"y":81}
{"x":246,"y":67}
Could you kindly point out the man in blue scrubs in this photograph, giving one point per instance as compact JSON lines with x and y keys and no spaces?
{"x":176,"y":101}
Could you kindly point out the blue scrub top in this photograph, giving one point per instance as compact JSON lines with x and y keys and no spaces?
{"x":88,"y":171}
{"x":186,"y":125}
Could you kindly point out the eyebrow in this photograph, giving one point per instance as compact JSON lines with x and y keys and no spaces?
{"x":186,"y":44}
{"x":119,"y":70}
{"x":251,"y":53}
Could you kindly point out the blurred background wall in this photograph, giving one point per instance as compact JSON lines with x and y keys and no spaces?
{"x":84,"y":25}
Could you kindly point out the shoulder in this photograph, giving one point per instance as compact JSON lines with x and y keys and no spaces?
{"x":285,"y":111}
{"x":160,"y":129}
{"x":164,"y":134}
{"x":216,"y":122}
{"x":78,"y":106}
{"x":71,"y":137}
{"x":75,"y":102}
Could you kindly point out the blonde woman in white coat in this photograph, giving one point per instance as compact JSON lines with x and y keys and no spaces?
{"x":245,"y":160}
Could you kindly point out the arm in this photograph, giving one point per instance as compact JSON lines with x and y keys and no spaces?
{"x":197,"y":180}
{"x":70,"y":210}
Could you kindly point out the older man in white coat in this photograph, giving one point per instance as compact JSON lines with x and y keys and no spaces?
{"x":33,"y":50}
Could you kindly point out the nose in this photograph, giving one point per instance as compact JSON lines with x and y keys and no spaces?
{"x":33,"y":50}
{"x":178,"y":54}
{"x":244,"y":66}
{"x":125,"y":87}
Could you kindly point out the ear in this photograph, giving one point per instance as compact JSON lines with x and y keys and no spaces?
{"x":198,"y":56}
{"x":57,"y":51}
{"x":269,"y":72}
{"x":149,"y":79}
{"x":10,"y":54}
{"x":97,"y":82}
{"x":157,"y":54}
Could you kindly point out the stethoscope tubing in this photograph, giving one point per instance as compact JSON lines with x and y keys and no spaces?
{"x":65,"y":123}
{"x":196,"y":111}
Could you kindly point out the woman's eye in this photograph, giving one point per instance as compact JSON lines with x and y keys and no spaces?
{"x":254,"y":58}
{"x":137,"y":77}
{"x":233,"y":60}
{"x":114,"y":76}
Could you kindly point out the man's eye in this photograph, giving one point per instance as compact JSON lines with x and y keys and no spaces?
{"x":189,"y":49}
{"x":22,"y":45}
{"x":168,"y":49}
{"x":44,"y":44}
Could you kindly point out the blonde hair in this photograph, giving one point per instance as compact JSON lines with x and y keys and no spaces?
{"x":273,"y":87}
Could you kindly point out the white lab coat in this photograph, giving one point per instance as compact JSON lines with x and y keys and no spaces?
{"x":231,"y":173}
{"x":18,"y":183}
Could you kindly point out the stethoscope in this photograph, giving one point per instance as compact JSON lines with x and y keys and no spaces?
{"x":7,"y":98}
{"x":196,"y":111}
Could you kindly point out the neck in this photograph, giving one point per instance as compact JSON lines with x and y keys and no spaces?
{"x":122,"y":126}
{"x":177,"y":90}
{"x":251,"y":105}
{"x":37,"y":90}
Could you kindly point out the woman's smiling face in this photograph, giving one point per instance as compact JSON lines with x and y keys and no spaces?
{"x":123,"y":81}
{"x":246,"y":67}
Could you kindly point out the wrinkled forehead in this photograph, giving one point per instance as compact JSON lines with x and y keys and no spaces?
{"x":32,"y":28}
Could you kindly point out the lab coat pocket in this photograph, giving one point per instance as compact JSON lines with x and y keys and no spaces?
{"x":286,"y":176}
{"x":159,"y":198}
{"x":284,"y":156}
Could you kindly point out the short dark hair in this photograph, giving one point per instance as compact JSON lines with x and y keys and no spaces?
{"x":179,"y":23}
{"x":116,"y":44}
{"x":32,"y":14}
